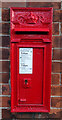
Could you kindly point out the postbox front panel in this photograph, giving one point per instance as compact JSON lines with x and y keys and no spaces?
{"x":30,"y":60}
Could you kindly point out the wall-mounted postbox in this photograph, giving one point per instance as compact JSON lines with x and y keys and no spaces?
{"x":31,"y":43}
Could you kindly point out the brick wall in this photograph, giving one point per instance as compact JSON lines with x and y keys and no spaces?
{"x":56,"y":82}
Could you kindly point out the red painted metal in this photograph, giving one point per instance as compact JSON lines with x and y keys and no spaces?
{"x":31,"y":28}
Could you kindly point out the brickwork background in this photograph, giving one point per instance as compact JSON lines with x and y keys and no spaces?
{"x":56,"y":75}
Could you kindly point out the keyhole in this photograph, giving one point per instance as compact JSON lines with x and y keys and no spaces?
{"x":26,"y":81}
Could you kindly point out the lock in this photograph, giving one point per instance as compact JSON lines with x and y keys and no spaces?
{"x":27,"y":83}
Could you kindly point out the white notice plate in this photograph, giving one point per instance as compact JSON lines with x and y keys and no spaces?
{"x":25,"y":60}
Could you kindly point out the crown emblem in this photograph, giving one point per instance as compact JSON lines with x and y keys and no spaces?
{"x":30,"y":18}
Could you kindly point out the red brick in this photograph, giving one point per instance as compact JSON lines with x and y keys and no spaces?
{"x":57,"y":54}
{"x":5,"y":15}
{"x":61,"y":78}
{"x":56,"y":90}
{"x":0,"y":28}
{"x":6,"y":114}
{"x":0,"y":41}
{"x":55,"y":29}
{"x":4,"y":66}
{"x":0,"y":77}
{"x":0,"y":101}
{"x":61,"y":15}
{"x":61,"y":28}
{"x":5,"y":102}
{"x":5,"y":41}
{"x":61,"y":41}
{"x":5,"y":89}
{"x":0,"y":53}
{"x":13,"y":4}
{"x":55,"y":5}
{"x":56,"y":15}
{"x":5,"y":53}
{"x":56,"y":67}
{"x":56,"y":40}
{"x":0,"y":89}
{"x":5,"y":28}
{"x":56,"y":102}
{"x":4,"y":77}
{"x":55,"y":113}
{"x":55,"y":79}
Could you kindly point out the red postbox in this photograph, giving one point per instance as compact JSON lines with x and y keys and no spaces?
{"x":31,"y":43}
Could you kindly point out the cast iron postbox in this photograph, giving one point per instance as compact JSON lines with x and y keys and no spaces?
{"x":31,"y":43}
